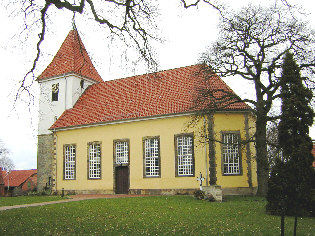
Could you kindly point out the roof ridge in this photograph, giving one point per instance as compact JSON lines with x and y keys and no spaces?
{"x":152,"y":73}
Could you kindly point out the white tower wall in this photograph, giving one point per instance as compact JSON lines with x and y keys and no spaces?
{"x":69,"y":92}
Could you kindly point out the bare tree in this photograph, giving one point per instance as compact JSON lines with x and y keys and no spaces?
{"x":251,"y":45}
{"x":131,"y":21}
{"x":5,"y":161}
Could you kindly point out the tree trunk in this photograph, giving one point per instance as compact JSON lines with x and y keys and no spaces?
{"x":261,"y":151}
{"x":282,"y":224}
{"x":295,"y":225}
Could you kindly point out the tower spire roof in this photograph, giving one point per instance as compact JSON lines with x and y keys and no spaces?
{"x":71,"y":57}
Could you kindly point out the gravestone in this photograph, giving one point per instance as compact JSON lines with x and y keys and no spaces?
{"x":214,"y":190}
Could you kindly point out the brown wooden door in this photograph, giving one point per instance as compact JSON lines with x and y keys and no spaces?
{"x":122,"y":180}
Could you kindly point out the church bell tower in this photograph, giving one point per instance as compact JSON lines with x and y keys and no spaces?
{"x":62,"y":83}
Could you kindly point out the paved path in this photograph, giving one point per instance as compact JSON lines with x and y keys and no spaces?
{"x":74,"y":198}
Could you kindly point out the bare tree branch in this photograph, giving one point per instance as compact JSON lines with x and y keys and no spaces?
{"x":134,"y":25}
{"x":212,"y":3}
{"x":190,"y":5}
{"x":252,"y":44}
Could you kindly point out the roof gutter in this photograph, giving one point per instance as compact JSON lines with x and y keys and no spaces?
{"x":136,"y":120}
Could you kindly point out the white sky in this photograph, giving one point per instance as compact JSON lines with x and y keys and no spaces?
{"x":187,"y":32}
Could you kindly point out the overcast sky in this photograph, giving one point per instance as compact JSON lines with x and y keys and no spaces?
{"x":186,"y":34}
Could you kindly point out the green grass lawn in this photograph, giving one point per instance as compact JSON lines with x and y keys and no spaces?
{"x":11,"y":201}
{"x":156,"y":215}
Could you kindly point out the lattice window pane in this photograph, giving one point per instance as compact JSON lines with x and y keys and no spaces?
{"x":122,"y":152}
{"x":185,"y":164}
{"x":151,"y":150}
{"x":55,"y":92}
{"x":70,"y":155}
{"x":94,"y":161}
{"x":231,"y":154}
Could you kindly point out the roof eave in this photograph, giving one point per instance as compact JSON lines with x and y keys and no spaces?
{"x":40,"y":80}
{"x":140,"y":119}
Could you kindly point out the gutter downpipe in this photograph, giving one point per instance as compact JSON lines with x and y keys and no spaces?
{"x":66,"y":91}
{"x":206,"y":159}
{"x":56,"y":140}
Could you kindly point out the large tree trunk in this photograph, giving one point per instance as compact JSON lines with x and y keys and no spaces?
{"x":261,"y":150}
{"x":282,"y":224}
{"x":295,"y":224}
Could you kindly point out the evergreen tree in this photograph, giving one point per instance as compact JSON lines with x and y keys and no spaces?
{"x":291,"y":179}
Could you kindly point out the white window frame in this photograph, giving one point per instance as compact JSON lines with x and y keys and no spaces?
{"x":231,"y":155}
{"x":121,"y":152}
{"x":185,"y":163}
{"x":69,"y":161}
{"x":151,"y":152}
{"x":94,"y":160}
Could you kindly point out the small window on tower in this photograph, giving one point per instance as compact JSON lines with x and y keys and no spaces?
{"x":82,"y":84}
{"x":55,"y":92}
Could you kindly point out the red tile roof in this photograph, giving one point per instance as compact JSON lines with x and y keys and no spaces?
{"x":162,"y":93}
{"x":34,"y":179}
{"x":72,"y":57}
{"x":17,"y":177}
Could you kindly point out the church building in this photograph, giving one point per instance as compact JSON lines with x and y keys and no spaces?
{"x":135,"y":135}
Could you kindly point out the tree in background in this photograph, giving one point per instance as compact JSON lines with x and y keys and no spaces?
{"x":251,"y":45}
{"x":273,"y":149}
{"x":5,"y":161}
{"x":292,"y":178}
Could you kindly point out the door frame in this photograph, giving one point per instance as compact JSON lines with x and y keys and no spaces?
{"x":128,"y":178}
{"x":116,"y":165}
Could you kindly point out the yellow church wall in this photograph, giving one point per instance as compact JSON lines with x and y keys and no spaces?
{"x":222,"y":123}
{"x":165,"y":129}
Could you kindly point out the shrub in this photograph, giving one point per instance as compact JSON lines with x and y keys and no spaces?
{"x":283,"y":196}
{"x":45,"y":192}
{"x":18,"y":192}
{"x":70,"y":193}
{"x":40,"y":193}
{"x":32,"y":193}
{"x":199,"y":194}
